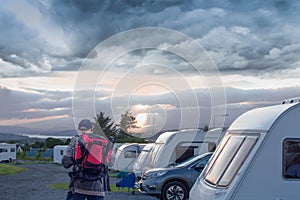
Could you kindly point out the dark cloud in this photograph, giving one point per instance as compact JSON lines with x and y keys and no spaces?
{"x":238,"y":34}
{"x":253,"y":38}
{"x":33,"y":104}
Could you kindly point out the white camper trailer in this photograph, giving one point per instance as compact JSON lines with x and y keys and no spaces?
{"x":7,"y":152}
{"x":113,"y":155}
{"x":126,"y":156}
{"x":253,"y":159}
{"x":139,"y":165}
{"x":58,"y":152}
{"x":175,"y":147}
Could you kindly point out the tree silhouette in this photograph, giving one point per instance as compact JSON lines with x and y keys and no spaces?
{"x":51,"y":142}
{"x":128,"y":122}
{"x":104,"y":126}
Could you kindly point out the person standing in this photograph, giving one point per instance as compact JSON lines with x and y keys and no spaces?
{"x":81,"y":188}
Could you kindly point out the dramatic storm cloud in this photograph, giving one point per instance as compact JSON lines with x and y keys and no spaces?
{"x":45,"y":45}
{"x":50,"y":35}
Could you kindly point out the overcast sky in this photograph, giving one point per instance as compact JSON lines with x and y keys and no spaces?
{"x":61,"y":60}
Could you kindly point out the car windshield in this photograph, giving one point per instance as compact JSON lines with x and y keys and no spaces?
{"x":189,"y":161}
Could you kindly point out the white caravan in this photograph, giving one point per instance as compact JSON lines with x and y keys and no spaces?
{"x":175,"y":147}
{"x":58,"y":152}
{"x":113,"y":155}
{"x":139,"y":165}
{"x":7,"y":152}
{"x":254,"y":158}
{"x":126,"y":156}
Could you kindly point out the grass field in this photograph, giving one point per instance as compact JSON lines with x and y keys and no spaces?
{"x":6,"y":169}
{"x":64,"y":186}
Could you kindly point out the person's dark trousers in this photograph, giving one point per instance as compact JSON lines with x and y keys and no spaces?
{"x":78,"y":196}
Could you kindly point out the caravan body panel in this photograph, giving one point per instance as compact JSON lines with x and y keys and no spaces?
{"x":59,"y":152}
{"x":126,"y":156}
{"x":262,"y":174}
{"x":7,"y":152}
{"x":265,"y":179}
{"x":175,"y":147}
{"x":139,"y":165}
{"x":260,"y":119}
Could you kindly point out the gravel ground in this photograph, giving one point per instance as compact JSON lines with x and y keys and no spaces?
{"x":33,"y":184}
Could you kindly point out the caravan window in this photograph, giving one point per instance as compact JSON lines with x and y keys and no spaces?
{"x":229,"y":158}
{"x":3,"y":150}
{"x":186,"y":150}
{"x":291,"y":159}
{"x":130,"y":154}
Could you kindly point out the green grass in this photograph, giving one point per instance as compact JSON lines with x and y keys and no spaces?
{"x":115,"y":189}
{"x":31,"y":162}
{"x":64,"y":186}
{"x":113,"y":175}
{"x":10,"y":169}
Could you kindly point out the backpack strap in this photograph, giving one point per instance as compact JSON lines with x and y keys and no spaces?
{"x":79,"y":155}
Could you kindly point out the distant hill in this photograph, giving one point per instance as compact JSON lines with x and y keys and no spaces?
{"x":16,"y":130}
{"x":6,"y":137}
{"x":68,"y":133}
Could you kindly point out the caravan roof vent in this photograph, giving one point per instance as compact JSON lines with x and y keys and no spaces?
{"x":292,"y":100}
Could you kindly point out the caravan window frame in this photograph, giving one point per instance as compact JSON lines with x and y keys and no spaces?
{"x":130,"y":154}
{"x":3,"y":150}
{"x":185,"y":146}
{"x":229,"y":157}
{"x":290,"y":149}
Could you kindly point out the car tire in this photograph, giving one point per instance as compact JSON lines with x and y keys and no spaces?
{"x":174,"y":190}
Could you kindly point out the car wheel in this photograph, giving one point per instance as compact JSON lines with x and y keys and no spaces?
{"x":174,"y":191}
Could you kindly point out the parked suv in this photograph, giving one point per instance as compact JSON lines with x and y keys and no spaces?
{"x":173,"y":182}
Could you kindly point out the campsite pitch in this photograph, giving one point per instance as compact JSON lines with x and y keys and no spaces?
{"x":35,"y":184}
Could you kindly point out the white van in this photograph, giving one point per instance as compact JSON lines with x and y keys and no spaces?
{"x":139,"y":165}
{"x":172,"y":148}
{"x":7,"y":152}
{"x":254,"y":158}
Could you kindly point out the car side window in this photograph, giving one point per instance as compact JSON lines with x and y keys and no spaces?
{"x":201,"y":164}
{"x":291,"y":159}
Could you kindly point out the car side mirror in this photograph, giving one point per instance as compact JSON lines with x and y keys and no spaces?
{"x":173,"y":164}
{"x":199,"y":167}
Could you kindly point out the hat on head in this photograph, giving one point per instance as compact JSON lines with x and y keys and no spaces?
{"x":85,"y":124}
